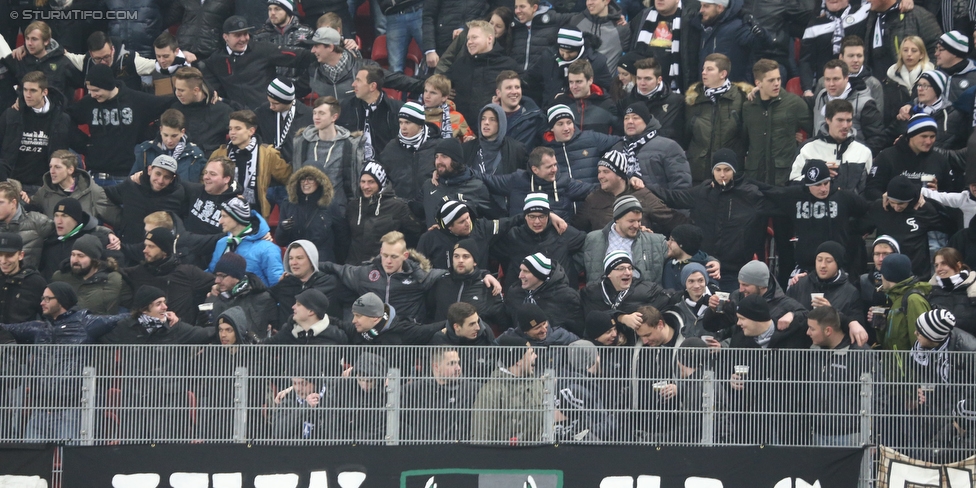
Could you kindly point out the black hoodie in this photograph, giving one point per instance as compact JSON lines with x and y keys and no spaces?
{"x":204,"y":208}
{"x":902,"y":160}
{"x":58,"y":69}
{"x":29,"y":138}
{"x":139,"y":200}
{"x":206,"y":121}
{"x":119,"y":123}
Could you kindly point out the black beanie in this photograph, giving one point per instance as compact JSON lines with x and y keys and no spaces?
{"x":754,"y":307}
{"x":530,"y":315}
{"x":72,"y":208}
{"x":597,"y":324}
{"x":902,"y":190}
{"x":89,"y":245}
{"x":834,"y":249}
{"x":451,"y":148}
{"x":65,"y":294}
{"x":145,"y":295}
{"x":688,"y":237}
{"x":314,"y":300}
{"x":469,"y":245}
{"x":163,"y":239}
{"x":100,"y":76}
{"x":639,"y":109}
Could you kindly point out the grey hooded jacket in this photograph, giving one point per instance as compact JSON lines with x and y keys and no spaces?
{"x":336,"y":158}
{"x":649,"y":251}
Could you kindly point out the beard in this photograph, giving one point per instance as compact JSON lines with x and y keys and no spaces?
{"x":77,"y":270}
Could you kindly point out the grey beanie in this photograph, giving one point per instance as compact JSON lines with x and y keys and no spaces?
{"x":755,"y":273}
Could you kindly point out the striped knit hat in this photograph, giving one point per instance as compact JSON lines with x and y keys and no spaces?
{"x":536,"y":202}
{"x":557,"y":112}
{"x":238,"y":209}
{"x":282,"y":90}
{"x":937,"y":79}
{"x":569,"y":39}
{"x":539,"y":265}
{"x":288,"y":5}
{"x":450,"y":212}
{"x":935,"y":325}
{"x":890,"y":241}
{"x":625,"y":205}
{"x":614,"y":259}
{"x":956,"y":43}
{"x":617,"y":162}
{"x":920,"y":123}
{"x":413,"y":112}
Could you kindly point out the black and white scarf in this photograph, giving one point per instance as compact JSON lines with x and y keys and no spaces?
{"x":837,"y":20}
{"x":333,"y":72}
{"x":564,"y":64}
{"x":151,"y":323}
{"x":177,"y":151}
{"x":414,"y":143}
{"x":246,"y":162}
{"x":923,"y":357}
{"x":611,"y":296}
{"x":368,"y":151}
{"x":952,"y":282}
{"x":284,"y":125}
{"x":447,"y":131}
{"x":633,"y":149}
{"x":921,"y":108}
{"x":646,"y":35}
{"x":713,"y":93}
{"x":178,"y":63}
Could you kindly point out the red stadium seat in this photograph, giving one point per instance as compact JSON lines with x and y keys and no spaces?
{"x":379,"y":52}
{"x":793,"y":86}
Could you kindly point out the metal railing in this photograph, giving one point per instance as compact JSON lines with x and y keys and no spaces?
{"x":920,"y":403}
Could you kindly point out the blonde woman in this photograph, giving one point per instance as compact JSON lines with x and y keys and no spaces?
{"x":899,"y":87}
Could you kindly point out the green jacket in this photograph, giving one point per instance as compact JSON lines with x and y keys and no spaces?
{"x":900,"y":334}
{"x":713,"y":126}
{"x":771,"y":136}
{"x":98,"y":294}
{"x":508,"y":408}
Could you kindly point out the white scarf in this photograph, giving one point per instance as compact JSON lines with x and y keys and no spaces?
{"x":842,"y":96}
{"x":44,"y":108}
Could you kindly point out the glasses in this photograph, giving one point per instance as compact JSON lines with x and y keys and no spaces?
{"x":624,"y":268}
{"x":220,"y":276}
{"x":102,"y":59}
{"x":536,"y":217}
{"x":922,"y":85}
{"x":47,"y":299}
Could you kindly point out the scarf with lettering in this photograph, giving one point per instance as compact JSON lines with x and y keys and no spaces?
{"x":447,"y":131}
{"x":713,"y":93}
{"x":880,"y":23}
{"x":923,"y":356}
{"x":151,"y":323}
{"x":177,"y":151}
{"x":632,"y":148}
{"x":646,"y":35}
{"x":368,"y":150}
{"x":246,"y":162}
{"x":283,"y":128}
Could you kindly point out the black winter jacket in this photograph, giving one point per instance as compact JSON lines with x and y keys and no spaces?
{"x":404,"y":290}
{"x":256,"y":300}
{"x":370,"y":218}
{"x":902,"y":160}
{"x":839,"y":291}
{"x":442,"y":17}
{"x":20,"y":295}
{"x":384,"y":122}
{"x":469,"y":288}
{"x":138,"y":33}
{"x":521,"y":241}
{"x":186,"y":286}
{"x":473,"y":79}
{"x":600,"y":296}
{"x":322,"y":333}
{"x":558,"y":300}
{"x":667,"y":107}
{"x":562,"y":193}
{"x":308,"y":217}
{"x":201,"y":24}
{"x":286,"y":289}
{"x":61,"y":74}
{"x":530,"y":45}
{"x":206,"y":121}
{"x":244,"y":78}
{"x":545,"y":79}
{"x":407,"y":169}
{"x":816,"y":47}
{"x":438,"y":244}
{"x":960,"y":300}
{"x":139,"y":200}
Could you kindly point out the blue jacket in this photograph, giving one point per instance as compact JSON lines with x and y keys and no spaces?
{"x":263,"y":257}
{"x":580,"y":154}
{"x":189,"y":166}
{"x":728,"y":36}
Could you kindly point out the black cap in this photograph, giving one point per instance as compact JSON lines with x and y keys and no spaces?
{"x":64,"y":293}
{"x":11,"y":242}
{"x":72,"y":208}
{"x":902,"y":190}
{"x":530,"y":315}
{"x":639,"y":109}
{"x":815,"y":172}
{"x":314,"y":300}
{"x":834,"y":249}
{"x":145,"y":295}
{"x":688,"y":237}
{"x":598,"y":323}
{"x":235,"y":23}
{"x":100,"y":76}
{"x":163,"y":239}
{"x":451,"y":148}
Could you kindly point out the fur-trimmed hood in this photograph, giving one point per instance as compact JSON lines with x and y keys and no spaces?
{"x":416,"y":259}
{"x":325,"y":185}
{"x":697,"y":90}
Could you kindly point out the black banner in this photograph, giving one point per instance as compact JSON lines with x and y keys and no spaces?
{"x":27,"y":460}
{"x":458,"y":466}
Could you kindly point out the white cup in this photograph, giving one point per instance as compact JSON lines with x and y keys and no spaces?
{"x":927,"y":178}
{"x":741,"y":370}
{"x":814,"y":296}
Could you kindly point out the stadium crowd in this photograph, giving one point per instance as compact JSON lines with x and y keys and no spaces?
{"x":677,"y":174}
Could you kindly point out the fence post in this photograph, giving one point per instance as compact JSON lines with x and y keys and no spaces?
{"x":549,"y":404}
{"x":708,"y":408}
{"x":86,"y":435}
{"x":867,"y":414}
{"x":240,"y":404}
{"x":393,"y":407}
